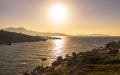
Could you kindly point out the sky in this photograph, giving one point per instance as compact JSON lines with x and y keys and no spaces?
{"x":82,"y":17}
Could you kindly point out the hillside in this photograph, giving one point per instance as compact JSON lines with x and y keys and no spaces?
{"x":100,"y":61}
{"x":12,"y":37}
{"x":34,"y":33}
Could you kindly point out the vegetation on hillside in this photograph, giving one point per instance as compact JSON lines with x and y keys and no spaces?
{"x":12,"y":37}
{"x":101,"y":61}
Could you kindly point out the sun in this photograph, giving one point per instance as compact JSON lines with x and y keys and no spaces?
{"x":58,"y":13}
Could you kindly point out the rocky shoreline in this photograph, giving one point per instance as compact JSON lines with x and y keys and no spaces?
{"x":102,"y":61}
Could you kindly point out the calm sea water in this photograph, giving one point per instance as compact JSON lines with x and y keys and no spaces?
{"x":21,"y":57}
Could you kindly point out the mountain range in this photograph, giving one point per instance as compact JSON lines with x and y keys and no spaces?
{"x":92,"y":35}
{"x":34,"y":33}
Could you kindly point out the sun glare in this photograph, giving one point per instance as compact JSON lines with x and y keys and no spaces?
{"x":58,"y":13}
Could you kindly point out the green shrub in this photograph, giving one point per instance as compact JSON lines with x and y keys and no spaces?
{"x":81,"y":73}
{"x":112,"y":61}
{"x":94,"y":59}
{"x":103,"y":73}
{"x":58,"y":72}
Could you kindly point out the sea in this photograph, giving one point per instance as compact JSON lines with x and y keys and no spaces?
{"x":21,"y":57}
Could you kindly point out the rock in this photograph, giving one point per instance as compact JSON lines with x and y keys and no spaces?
{"x":35,"y":73}
{"x":59,"y":58}
{"x":70,"y":63}
{"x":113,"y":52}
{"x":49,"y":69}
{"x":54,"y":63}
{"x":67,"y":55}
{"x":119,"y":44}
{"x":26,"y":73}
{"x":39,"y":69}
{"x":59,"y":61}
{"x":95,"y":51}
{"x":112,"y":45}
{"x":74,"y":54}
{"x":58,"y":67}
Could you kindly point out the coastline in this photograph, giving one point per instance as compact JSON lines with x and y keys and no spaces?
{"x":7,"y":38}
{"x":103,"y":60}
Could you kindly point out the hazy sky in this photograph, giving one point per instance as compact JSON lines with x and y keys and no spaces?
{"x":83,"y":16}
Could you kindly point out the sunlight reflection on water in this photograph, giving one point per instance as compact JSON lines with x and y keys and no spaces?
{"x":58,"y":45}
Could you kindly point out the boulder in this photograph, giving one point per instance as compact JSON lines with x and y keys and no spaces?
{"x":112,"y":45}
{"x":74,"y":54}
{"x":113,"y":52}
{"x":59,"y":61}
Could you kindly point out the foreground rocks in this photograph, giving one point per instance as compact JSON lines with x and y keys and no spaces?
{"x":101,"y":61}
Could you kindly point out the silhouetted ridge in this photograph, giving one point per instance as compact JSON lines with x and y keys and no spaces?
{"x":12,"y":37}
{"x":34,"y":33}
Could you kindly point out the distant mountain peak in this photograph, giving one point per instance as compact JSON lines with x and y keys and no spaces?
{"x":22,"y":28}
{"x":98,"y":35}
{"x":12,"y":28}
{"x":92,"y":35}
